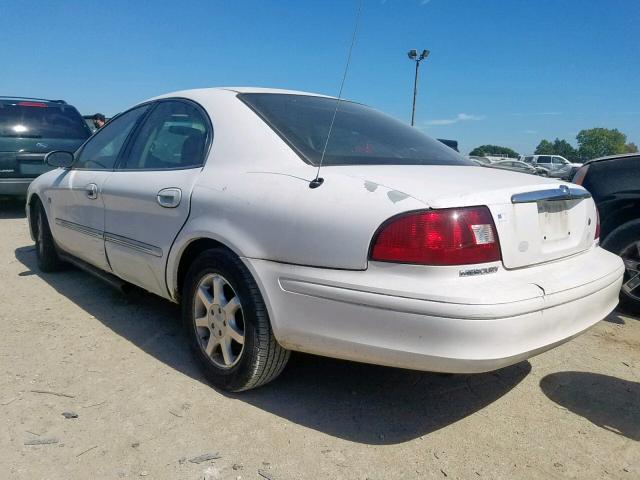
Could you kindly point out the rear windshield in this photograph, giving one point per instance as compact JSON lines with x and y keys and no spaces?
{"x":360,"y":135}
{"x":42,"y":121}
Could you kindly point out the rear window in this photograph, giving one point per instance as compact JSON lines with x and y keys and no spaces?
{"x":43,"y":120}
{"x":544,"y":159}
{"x":360,"y":135}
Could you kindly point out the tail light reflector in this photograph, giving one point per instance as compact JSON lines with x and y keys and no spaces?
{"x":452,"y":236}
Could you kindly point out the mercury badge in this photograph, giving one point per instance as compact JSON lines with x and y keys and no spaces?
{"x":477,"y":271}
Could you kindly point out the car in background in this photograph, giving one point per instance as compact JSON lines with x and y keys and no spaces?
{"x":518,"y":166}
{"x":482,"y":161}
{"x":399,"y":254}
{"x":521,"y":167}
{"x":614,"y":184}
{"x":557,"y":166}
{"x":29,"y":129}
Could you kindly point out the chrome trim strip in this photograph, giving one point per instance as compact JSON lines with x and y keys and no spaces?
{"x":93,"y":232}
{"x":562,"y":193}
{"x":112,"y":237}
{"x":133,"y":244}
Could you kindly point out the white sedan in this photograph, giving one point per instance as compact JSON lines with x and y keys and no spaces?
{"x":402,"y":253}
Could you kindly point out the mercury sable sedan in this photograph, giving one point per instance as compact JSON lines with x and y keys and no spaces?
{"x":395,"y":251}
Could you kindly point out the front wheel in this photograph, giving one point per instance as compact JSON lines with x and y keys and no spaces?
{"x":227,"y":323}
{"x":625,"y":242}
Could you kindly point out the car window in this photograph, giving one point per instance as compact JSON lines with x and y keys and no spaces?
{"x":360,"y":135}
{"x":544,"y":159}
{"x":174,"y":135}
{"x":101,"y":151}
{"x":560,"y":161}
{"x":528,"y":159}
{"x":41,"y":120}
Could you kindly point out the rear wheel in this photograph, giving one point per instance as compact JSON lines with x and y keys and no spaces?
{"x":48,"y":260}
{"x":625,"y":242}
{"x":227,"y":323}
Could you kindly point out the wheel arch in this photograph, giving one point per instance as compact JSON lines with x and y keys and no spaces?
{"x":618,"y":214}
{"x":621,"y":228}
{"x":32,"y":201}
{"x":187,"y":256}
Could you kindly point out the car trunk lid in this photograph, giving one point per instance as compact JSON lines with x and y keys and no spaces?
{"x":538,"y":220}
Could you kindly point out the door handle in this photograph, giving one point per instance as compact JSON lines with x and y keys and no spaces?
{"x":169,"y":197}
{"x":92,"y":191}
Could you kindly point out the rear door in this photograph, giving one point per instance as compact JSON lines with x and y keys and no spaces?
{"x":147,"y":199}
{"x":77,"y":194}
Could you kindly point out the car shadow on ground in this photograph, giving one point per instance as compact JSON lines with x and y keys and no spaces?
{"x":357,"y":402}
{"x":11,"y":207}
{"x":619,"y":317}
{"x":609,"y":402}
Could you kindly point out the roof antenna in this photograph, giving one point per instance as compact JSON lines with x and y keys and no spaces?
{"x":316,"y":182}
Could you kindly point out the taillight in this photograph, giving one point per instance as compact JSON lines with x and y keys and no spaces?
{"x":452,"y":236}
{"x":33,"y":104}
{"x":578,"y":178}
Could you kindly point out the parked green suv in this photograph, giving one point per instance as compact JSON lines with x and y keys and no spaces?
{"x":29,"y":128}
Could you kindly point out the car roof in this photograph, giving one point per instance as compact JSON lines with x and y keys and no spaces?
{"x":204,"y":91}
{"x":613,"y":157}
{"x":11,"y":100}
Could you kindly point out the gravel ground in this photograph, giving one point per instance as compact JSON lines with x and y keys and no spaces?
{"x":71,"y":344}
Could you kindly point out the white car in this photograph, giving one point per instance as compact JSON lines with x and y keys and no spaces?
{"x":401,"y":254}
{"x":558,"y":167}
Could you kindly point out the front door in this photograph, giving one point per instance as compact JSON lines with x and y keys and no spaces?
{"x":147,"y":199}
{"x":76,"y":196}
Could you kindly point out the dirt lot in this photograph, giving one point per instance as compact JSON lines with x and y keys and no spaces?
{"x":72,"y":344}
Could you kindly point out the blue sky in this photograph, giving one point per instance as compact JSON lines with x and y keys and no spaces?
{"x":500,"y":72}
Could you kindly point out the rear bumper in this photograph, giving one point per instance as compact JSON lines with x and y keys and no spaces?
{"x":14,"y":186}
{"x":462,"y":326}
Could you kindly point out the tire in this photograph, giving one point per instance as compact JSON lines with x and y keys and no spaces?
{"x":625,"y":242}
{"x":46,"y":253}
{"x":221,"y":303}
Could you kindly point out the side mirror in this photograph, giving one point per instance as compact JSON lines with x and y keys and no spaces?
{"x":59,"y":158}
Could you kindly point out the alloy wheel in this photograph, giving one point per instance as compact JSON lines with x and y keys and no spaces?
{"x":631,"y":258}
{"x":218,"y":320}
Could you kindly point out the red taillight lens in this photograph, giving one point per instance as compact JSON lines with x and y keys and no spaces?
{"x":452,"y":236}
{"x":578,"y":178}
{"x":32,"y":104}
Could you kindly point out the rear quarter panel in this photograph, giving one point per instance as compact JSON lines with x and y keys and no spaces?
{"x":276,"y":216}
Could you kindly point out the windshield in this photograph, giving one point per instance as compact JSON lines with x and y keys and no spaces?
{"x":42,"y":121}
{"x":360,"y":135}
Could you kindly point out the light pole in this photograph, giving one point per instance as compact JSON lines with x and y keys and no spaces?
{"x":413,"y":55}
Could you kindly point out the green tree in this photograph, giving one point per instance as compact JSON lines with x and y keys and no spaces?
{"x":558,"y":147}
{"x":545,"y":147}
{"x":630,"y":148}
{"x":599,"y":142}
{"x":484,"y":150}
